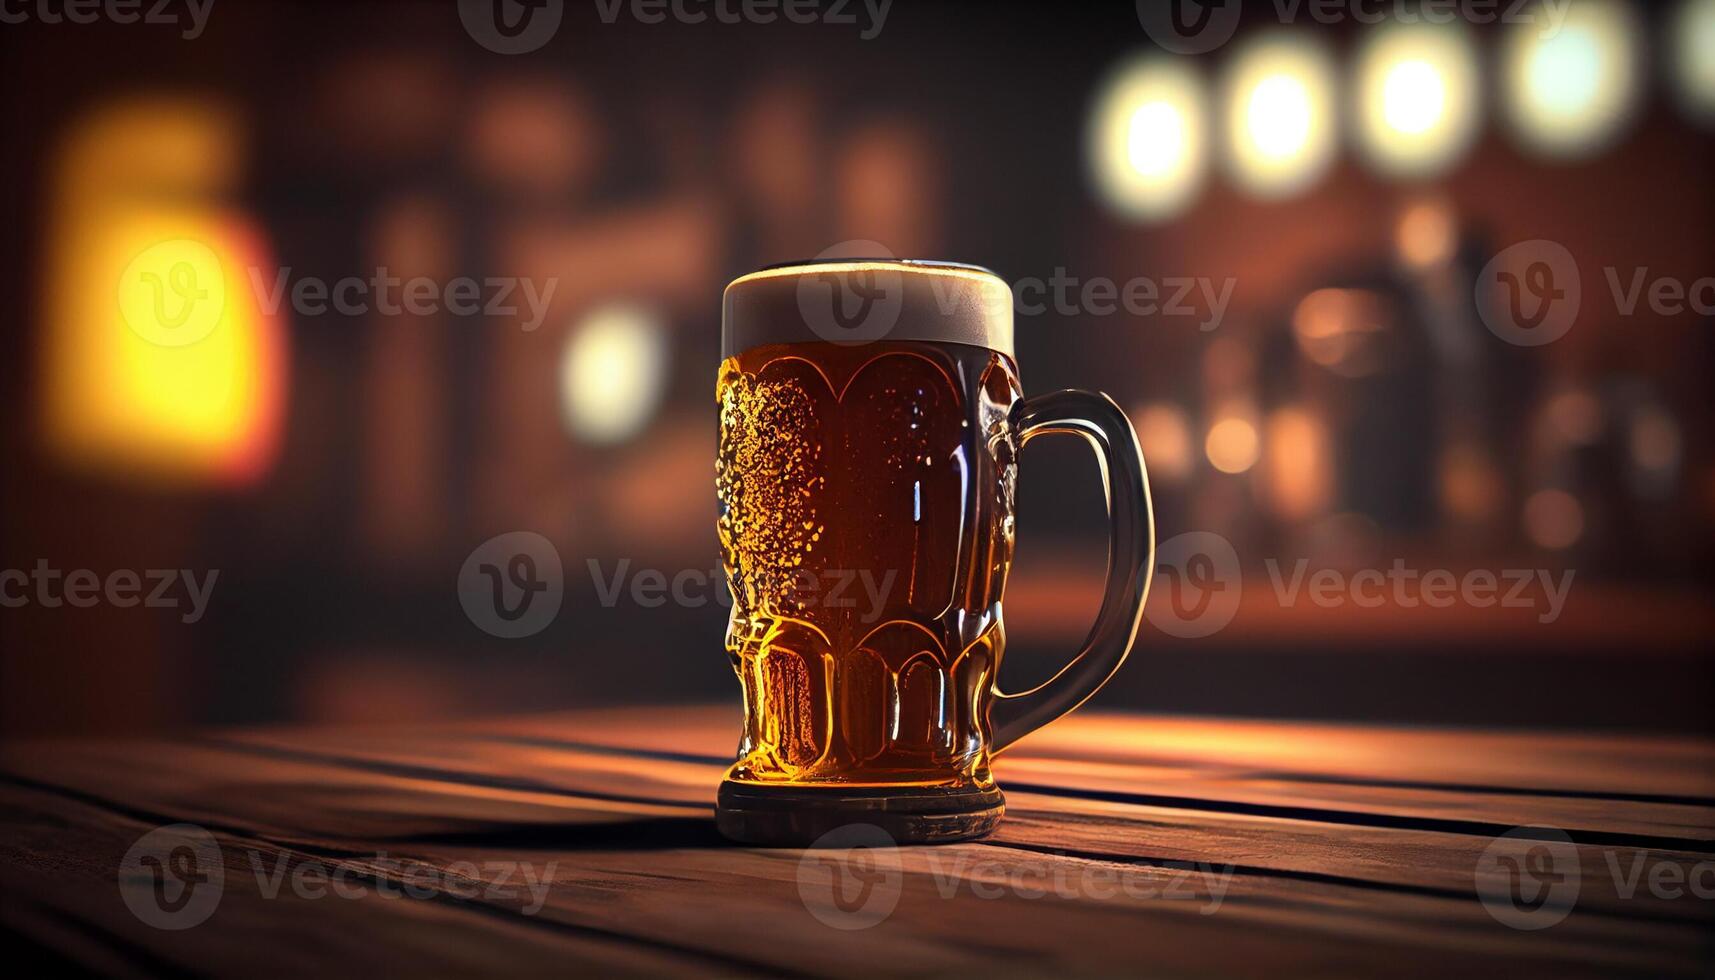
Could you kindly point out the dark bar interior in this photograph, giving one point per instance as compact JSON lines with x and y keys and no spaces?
{"x":306,"y":306}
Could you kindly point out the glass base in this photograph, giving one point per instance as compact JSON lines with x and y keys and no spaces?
{"x":798,"y":815}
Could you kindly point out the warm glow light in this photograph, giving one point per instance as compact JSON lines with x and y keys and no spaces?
{"x":1417,"y":98}
{"x":1280,"y":115}
{"x":1574,"y":417}
{"x":1691,"y":41}
{"x":1554,"y":519}
{"x":1164,"y":434}
{"x":1471,"y":485}
{"x":1427,"y":235}
{"x":160,"y":361}
{"x":1299,"y":468}
{"x":1232,"y":445}
{"x":1569,"y":93}
{"x":612,"y":373}
{"x":1147,"y":140}
{"x":1655,"y":441}
{"x":1337,"y":329}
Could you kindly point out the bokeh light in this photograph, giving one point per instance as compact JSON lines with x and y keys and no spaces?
{"x":1691,"y":47}
{"x":1569,"y":93}
{"x":1427,"y":234}
{"x":1148,"y":140}
{"x":1471,"y":487}
{"x":612,"y":373}
{"x":1164,"y":435}
{"x":1418,"y":105}
{"x":1338,"y":329}
{"x":1655,"y":442}
{"x":1574,"y":417}
{"x":1232,"y":445}
{"x":1299,"y":464}
{"x":1554,"y":519}
{"x":161,"y":361}
{"x":1280,"y":116}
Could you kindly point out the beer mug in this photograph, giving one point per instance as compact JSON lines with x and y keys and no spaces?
{"x":870,"y":422}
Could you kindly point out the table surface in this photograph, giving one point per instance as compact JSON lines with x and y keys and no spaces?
{"x":1132,"y":845}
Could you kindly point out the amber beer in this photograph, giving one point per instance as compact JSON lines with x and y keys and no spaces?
{"x":870,"y":419}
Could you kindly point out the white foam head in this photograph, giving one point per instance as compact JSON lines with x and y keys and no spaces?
{"x":861,"y":301}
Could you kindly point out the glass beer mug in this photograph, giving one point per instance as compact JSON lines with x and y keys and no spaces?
{"x":870,"y":419}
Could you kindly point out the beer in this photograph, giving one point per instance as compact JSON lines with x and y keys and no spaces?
{"x":870,"y":419}
{"x":865,"y":501}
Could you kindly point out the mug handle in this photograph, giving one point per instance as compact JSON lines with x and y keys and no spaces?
{"x":1131,"y":557}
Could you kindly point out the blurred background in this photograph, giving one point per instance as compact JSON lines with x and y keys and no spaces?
{"x":1331,"y":386}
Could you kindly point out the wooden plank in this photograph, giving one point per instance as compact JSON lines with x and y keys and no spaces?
{"x":59,"y":861}
{"x":618,"y":802}
{"x":712,"y":899}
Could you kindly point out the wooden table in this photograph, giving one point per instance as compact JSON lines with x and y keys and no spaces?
{"x":1132,"y":845}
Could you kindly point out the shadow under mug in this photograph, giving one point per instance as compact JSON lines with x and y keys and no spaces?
{"x":870,"y":422}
